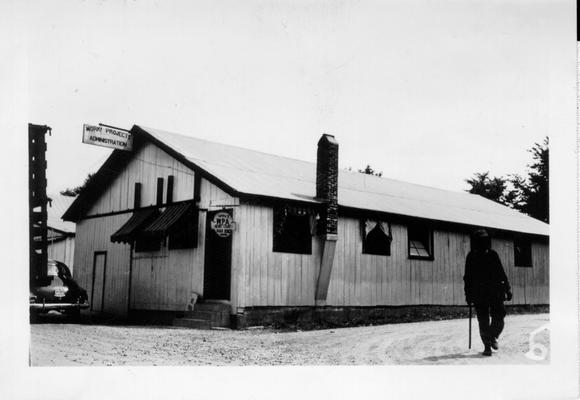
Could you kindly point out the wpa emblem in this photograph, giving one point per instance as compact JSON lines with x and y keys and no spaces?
{"x":223,"y":224}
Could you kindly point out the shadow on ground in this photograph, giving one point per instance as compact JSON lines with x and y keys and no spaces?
{"x":456,"y":356}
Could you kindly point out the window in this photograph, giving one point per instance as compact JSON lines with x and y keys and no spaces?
{"x":522,"y":253}
{"x":420,"y":242}
{"x":183,"y":234}
{"x":130,"y":231}
{"x":292,"y":231}
{"x":376,"y":237}
{"x":58,"y":274}
{"x":146,"y":243}
{"x":178,"y":222}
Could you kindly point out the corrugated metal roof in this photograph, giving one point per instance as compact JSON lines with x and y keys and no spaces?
{"x":258,"y":173}
{"x":56,"y":209}
{"x":168,"y":217}
{"x":127,"y":232}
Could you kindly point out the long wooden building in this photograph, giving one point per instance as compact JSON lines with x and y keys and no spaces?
{"x":263,"y":235}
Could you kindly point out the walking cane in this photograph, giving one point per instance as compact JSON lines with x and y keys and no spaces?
{"x":470,"y":326}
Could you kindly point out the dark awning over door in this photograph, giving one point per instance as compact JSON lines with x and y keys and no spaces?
{"x":128,"y":232}
{"x":168,"y":218}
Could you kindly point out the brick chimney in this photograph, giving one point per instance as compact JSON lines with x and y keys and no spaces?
{"x":327,"y":227}
{"x":327,"y":183}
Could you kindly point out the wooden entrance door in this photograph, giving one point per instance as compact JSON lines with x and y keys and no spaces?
{"x":218,"y":261}
{"x":98,"y":286}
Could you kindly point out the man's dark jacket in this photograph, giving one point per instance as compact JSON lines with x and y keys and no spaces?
{"x":485,"y":278}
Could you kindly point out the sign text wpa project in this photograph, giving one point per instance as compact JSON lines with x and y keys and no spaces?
{"x":107,"y":137}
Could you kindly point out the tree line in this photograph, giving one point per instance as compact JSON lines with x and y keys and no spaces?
{"x":528,"y":194}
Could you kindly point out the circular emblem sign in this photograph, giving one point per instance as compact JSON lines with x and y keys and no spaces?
{"x":223,"y":224}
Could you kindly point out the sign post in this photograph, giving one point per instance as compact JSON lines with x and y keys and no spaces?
{"x":107,"y":137}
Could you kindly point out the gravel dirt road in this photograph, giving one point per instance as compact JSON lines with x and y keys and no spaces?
{"x":433,"y":342}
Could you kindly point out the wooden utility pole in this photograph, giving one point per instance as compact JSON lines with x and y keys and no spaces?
{"x":37,"y":200}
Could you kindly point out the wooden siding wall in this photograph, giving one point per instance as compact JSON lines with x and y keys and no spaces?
{"x":267,"y":278}
{"x":529,"y":285}
{"x":148,"y":164}
{"x":95,"y":235}
{"x":63,"y":251}
{"x":165,"y":280}
{"x":162,"y":280}
{"x":261,"y":277}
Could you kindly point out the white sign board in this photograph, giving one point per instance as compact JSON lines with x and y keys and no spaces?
{"x":107,"y":137}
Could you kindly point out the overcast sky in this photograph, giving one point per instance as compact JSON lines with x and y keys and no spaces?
{"x":427,"y":92}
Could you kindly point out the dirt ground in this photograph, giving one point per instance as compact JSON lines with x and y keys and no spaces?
{"x":434,"y":342}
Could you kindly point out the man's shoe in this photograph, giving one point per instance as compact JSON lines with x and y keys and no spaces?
{"x":487,"y":351}
{"x":494,"y":344}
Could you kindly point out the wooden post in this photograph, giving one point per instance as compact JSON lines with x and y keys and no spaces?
{"x":130,"y":278}
{"x":470,"y":325}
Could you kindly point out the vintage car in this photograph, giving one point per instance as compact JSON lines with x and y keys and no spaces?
{"x":57,"y":291}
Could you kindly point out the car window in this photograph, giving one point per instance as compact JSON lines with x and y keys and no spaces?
{"x":52,"y":269}
{"x":64,"y":272}
{"x":55,"y":275}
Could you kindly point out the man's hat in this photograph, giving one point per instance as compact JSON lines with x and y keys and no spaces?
{"x":480,"y":233}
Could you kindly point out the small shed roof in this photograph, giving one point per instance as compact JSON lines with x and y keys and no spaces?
{"x":262,"y":174}
{"x":55,"y":210}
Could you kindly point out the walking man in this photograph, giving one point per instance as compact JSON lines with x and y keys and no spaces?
{"x":486,"y":287}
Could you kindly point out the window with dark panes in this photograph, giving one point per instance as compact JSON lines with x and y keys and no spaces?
{"x":184,"y":234}
{"x":522,"y":252}
{"x":292,"y":231}
{"x":145,"y":243}
{"x":420,"y":239}
{"x":376,"y":237}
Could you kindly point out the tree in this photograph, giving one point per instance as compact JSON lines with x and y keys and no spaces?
{"x":370,"y":171}
{"x":493,"y":188}
{"x":73,"y":192}
{"x":529,"y":194}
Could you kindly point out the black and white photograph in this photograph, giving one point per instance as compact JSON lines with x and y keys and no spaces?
{"x":291,"y":199}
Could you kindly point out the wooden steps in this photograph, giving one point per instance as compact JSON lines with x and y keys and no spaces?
{"x":206,"y":315}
